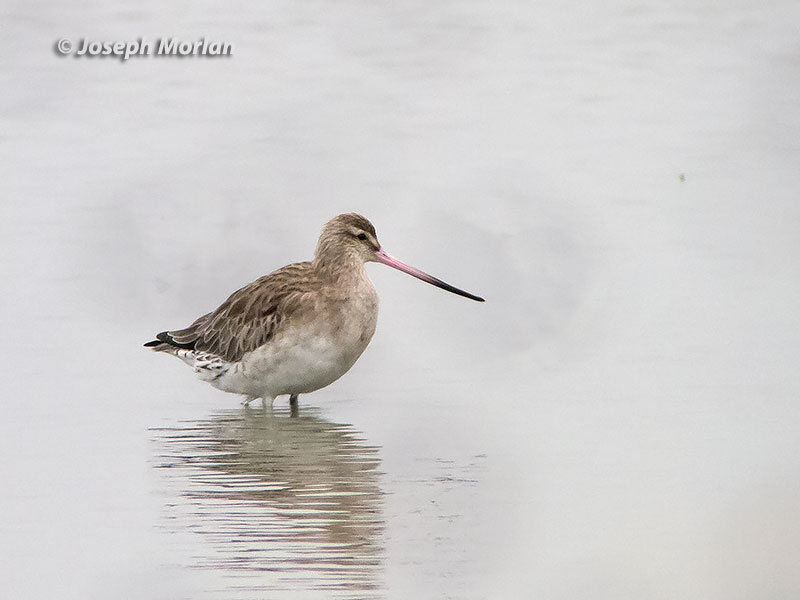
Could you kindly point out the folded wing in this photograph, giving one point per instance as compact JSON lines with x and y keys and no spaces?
{"x":248,"y":319}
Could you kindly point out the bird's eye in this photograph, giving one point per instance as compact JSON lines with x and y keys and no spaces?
{"x":362,"y":236}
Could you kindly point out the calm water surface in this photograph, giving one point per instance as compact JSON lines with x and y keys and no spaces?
{"x":618,"y":421}
{"x":278,"y":501}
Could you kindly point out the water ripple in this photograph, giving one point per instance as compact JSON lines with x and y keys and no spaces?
{"x":284,"y":503}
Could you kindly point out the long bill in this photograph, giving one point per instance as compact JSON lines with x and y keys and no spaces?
{"x":391,"y":261}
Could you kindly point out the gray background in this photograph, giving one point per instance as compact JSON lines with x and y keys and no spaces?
{"x":619,"y":420}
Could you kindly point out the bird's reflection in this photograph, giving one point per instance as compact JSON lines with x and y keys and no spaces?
{"x":295,"y":496}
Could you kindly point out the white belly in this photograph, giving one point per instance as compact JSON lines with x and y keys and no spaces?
{"x":307,"y":355}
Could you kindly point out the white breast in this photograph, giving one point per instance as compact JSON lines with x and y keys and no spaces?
{"x":309,"y":354}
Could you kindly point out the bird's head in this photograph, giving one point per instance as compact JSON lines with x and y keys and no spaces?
{"x":350,"y":238}
{"x":347,"y":237}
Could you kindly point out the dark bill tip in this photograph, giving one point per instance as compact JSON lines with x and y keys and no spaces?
{"x":391,"y":261}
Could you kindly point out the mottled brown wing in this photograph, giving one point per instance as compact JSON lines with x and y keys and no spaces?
{"x":250,"y":317}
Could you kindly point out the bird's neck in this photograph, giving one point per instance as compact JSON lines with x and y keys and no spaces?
{"x":340,"y":267}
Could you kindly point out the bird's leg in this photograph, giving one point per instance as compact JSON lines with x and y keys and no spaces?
{"x":293,"y":405}
{"x":266,"y":401}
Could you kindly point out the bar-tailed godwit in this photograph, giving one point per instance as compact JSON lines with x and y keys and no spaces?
{"x":297,"y":329}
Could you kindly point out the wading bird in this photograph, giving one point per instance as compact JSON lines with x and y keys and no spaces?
{"x":297,"y":329}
